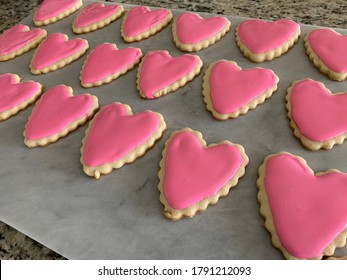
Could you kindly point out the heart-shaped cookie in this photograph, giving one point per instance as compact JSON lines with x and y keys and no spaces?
{"x":56,"y":114}
{"x":191,"y":32}
{"x":260,"y":40}
{"x":117,"y":136}
{"x":305,"y":213}
{"x":230,"y":91}
{"x":51,"y":11}
{"x":56,"y":51}
{"x":326,"y":48}
{"x":193,"y":175}
{"x":140,"y":23}
{"x":15,"y":95}
{"x":95,"y":16}
{"x":106,"y":63}
{"x":318,"y":117}
{"x":159,"y":73}
{"x":18,"y":40}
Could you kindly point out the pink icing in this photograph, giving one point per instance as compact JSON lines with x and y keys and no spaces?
{"x":115,"y":133}
{"x":95,"y":12}
{"x":231,"y":88}
{"x":159,"y":70}
{"x":194,"y":172}
{"x":330,"y":47}
{"x":309,"y":211}
{"x":51,"y":8}
{"x":55,"y":111}
{"x":17,"y":37}
{"x":140,"y":19}
{"x":106,"y":60}
{"x":55,"y":48}
{"x":318,"y":114}
{"x":13,"y":93}
{"x":191,"y":28}
{"x":260,"y":36}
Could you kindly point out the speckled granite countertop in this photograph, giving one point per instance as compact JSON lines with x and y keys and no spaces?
{"x":15,"y":245}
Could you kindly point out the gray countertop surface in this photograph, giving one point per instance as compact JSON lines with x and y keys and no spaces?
{"x":15,"y":245}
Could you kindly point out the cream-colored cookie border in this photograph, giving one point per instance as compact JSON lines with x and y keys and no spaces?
{"x":337,"y":258}
{"x":202,"y":44}
{"x":97,"y":171}
{"x":31,"y":45}
{"x":270,"y":55}
{"x":319,"y":64}
{"x":60,"y":16}
{"x":4,"y":115}
{"x":71,"y":127}
{"x":99,"y":24}
{"x":176,"y":214}
{"x":206,"y":92}
{"x":306,"y":142}
{"x":265,"y":211}
{"x":112,"y":76}
{"x":60,"y":63}
{"x":175,"y":85}
{"x":150,"y":32}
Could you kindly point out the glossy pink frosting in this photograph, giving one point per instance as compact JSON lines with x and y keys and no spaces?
{"x":193,"y":172}
{"x":17,"y":37}
{"x":159,"y":70}
{"x":231,"y":88}
{"x":319,"y":115}
{"x":51,"y":8}
{"x":55,"y":48}
{"x":95,"y":12}
{"x":330,"y":47}
{"x":260,"y":36}
{"x":115,"y":134}
{"x":191,"y":28}
{"x":309,"y":211}
{"x":13,"y":93}
{"x":106,"y":60}
{"x":140,"y":19}
{"x":55,"y":111}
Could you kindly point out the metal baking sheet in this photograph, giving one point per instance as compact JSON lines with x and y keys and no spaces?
{"x":45,"y":194}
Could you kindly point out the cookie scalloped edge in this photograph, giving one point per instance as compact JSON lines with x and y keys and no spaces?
{"x":60,"y":16}
{"x":23,"y":105}
{"x":104,"y":169}
{"x":99,"y":24}
{"x":62,"y":62}
{"x":266,"y":213}
{"x":206,"y":92}
{"x":201,"y":206}
{"x":270,"y":55}
{"x":175,"y":85}
{"x":71,"y":127}
{"x":113,"y":76}
{"x":31,"y":45}
{"x":310,"y":144}
{"x":150,"y":32}
{"x":202,"y":44}
{"x":318,"y":63}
